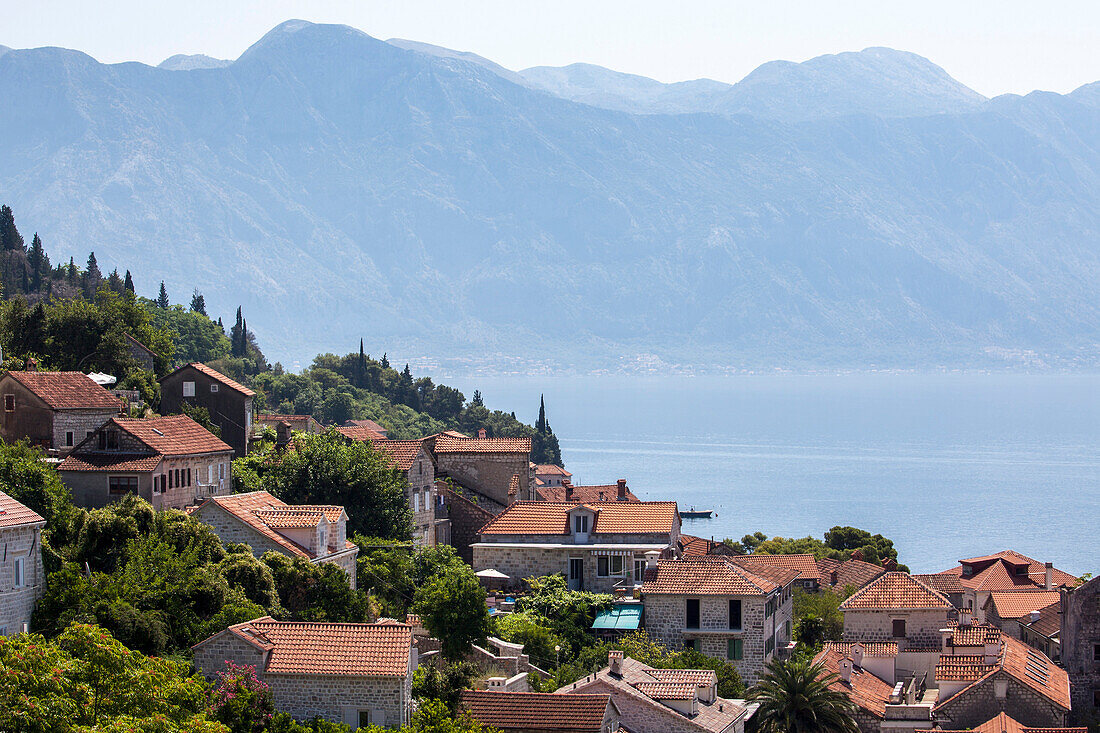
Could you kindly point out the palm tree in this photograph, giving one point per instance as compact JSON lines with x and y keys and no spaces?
{"x":794,"y":697}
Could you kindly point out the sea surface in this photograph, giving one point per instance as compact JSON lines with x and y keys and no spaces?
{"x":948,"y":466}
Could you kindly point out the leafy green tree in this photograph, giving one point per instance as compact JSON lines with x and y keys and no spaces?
{"x":794,"y":697}
{"x":817,"y":617}
{"x":538,"y":640}
{"x":568,"y":613}
{"x":432,"y":684}
{"x":311,"y":592}
{"x":26,"y":479}
{"x":452,"y":607}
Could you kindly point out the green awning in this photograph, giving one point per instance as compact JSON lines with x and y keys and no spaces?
{"x":619,"y":618}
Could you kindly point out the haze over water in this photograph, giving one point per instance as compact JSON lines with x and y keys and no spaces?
{"x":948,"y":466}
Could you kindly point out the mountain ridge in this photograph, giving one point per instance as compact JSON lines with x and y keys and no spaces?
{"x":350,"y":185}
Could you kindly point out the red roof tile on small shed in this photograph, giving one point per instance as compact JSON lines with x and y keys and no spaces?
{"x":536,"y":710}
{"x":67,"y":390}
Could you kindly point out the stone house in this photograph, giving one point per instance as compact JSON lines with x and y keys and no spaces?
{"x":229,"y":403}
{"x":369,"y":425}
{"x":297,"y":423}
{"x":541,"y":712}
{"x":662,"y":700}
{"x":53,"y":410}
{"x":1004,"y":609}
{"x":550,"y":475}
{"x":869,"y":693}
{"x":412,"y":459}
{"x":1042,"y":629}
{"x":1002,"y":723}
{"x":172,"y":462}
{"x":721,"y":608}
{"x":465,"y":519}
{"x":315,"y":532}
{"x":22,"y":577}
{"x":896,"y":607}
{"x":599,"y":492}
{"x":142,"y":354}
{"x":1080,"y":641}
{"x":1006,"y":570}
{"x":498,"y":468}
{"x":356,"y":674}
{"x":597,"y":546}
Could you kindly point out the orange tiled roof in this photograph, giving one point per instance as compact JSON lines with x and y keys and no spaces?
{"x":173,"y":435}
{"x":13,"y":514}
{"x":1019,"y":603}
{"x":870,"y":648}
{"x":447,"y":443}
{"x":1026,"y":665}
{"x":360,"y":432}
{"x":1004,"y":724}
{"x":855,"y":573}
{"x":67,"y":390}
{"x":866,"y":691}
{"x":329,"y":649}
{"x":962,"y":667}
{"x":710,"y":575}
{"x":367,"y":424}
{"x":974,"y":634}
{"x":114,"y":462}
{"x":535,"y":710}
{"x":612,"y":517}
{"x":804,"y":565}
{"x":895,"y":590}
{"x":273,"y":417}
{"x":667,"y":690}
{"x":997,"y":572}
{"x":403,"y":452}
{"x":551,"y":469}
{"x":513,"y":485}
{"x":697,"y":677}
{"x":264,"y":513}
{"x":694,"y":546}
{"x":1049,"y":623}
{"x":586,"y":494}
{"x":945,"y":583}
{"x":218,"y":376}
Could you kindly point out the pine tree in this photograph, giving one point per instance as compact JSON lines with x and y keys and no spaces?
{"x":10,"y":238}
{"x":198,"y":303}
{"x":92,"y":277}
{"x":72,"y":273}
{"x":385,"y":362}
{"x":162,"y":298}
{"x":114,"y":282}
{"x":129,"y":282}
{"x":476,"y":400}
{"x":38,"y":261}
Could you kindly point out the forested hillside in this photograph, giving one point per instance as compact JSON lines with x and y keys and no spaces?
{"x":72,"y":318}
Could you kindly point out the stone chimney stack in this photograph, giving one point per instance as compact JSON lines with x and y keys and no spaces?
{"x":569,"y":492}
{"x":1048,"y":577}
{"x":1034,"y":616}
{"x":857,"y":655}
{"x":846,"y":670}
{"x":889,"y":564}
{"x":621,"y":490}
{"x":964,"y":617}
{"x":615,"y":662}
{"x":482,"y":434}
{"x":282,"y":435}
{"x":651,"y":559}
{"x":30,"y":365}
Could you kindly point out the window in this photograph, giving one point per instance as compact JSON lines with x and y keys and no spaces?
{"x":213,"y":389}
{"x":210,"y":474}
{"x":364,"y":718}
{"x":580,"y":524}
{"x":89,"y":434}
{"x":171,"y":482}
{"x":416,"y":502}
{"x":221,"y":471}
{"x":188,"y":482}
{"x":1021,"y":569}
{"x":1096,"y":698}
{"x":692,"y":613}
{"x":607,"y":565}
{"x":769,"y":646}
{"x":70,"y":438}
{"x":158,"y":484}
{"x":639,"y":570}
{"x":898,"y":631}
{"x":18,"y":575}
{"x":689,"y":643}
{"x":769,"y":608}
{"x":1096,"y":652}
{"x":108,"y":440}
{"x":735,"y":649}
{"x":9,"y":403}
{"x":122,"y":484}
{"x":968,"y":570}
{"x":735,"y":614}
{"x":188,"y":389}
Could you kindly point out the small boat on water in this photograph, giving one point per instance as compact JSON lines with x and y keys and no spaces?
{"x":694,"y":513}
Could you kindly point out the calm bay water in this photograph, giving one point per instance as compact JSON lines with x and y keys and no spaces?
{"x":948,"y":466}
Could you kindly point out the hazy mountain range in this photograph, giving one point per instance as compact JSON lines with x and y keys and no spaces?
{"x":857,"y":209}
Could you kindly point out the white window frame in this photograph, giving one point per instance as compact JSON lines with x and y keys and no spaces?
{"x":214,"y":388}
{"x":19,"y":572}
{"x":610,"y":570}
{"x":416,"y":501}
{"x":188,"y":389}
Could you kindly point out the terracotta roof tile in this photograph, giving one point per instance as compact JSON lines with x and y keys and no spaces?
{"x":290,"y":518}
{"x":1049,"y":623}
{"x":330,"y":649}
{"x":173,"y":435}
{"x":710,"y":575}
{"x":697,"y":677}
{"x":895,"y":590}
{"x":67,"y":390}
{"x":866,"y":691}
{"x":962,"y":667}
{"x":403,"y":452}
{"x":694,"y":546}
{"x":855,"y":573}
{"x":13,"y":514}
{"x":593,"y":493}
{"x":513,"y":485}
{"x":612,"y":517}
{"x":974,"y":634}
{"x":998,"y":572}
{"x":446,"y":443}
{"x":667,"y":690}
{"x":804,"y":565}
{"x":218,"y":376}
{"x":870,"y":648}
{"x":266,"y":514}
{"x":1004,"y":724}
{"x":549,"y":469}
{"x":536,"y":710}
{"x":367,"y":424}
{"x":273,"y":417}
{"x":360,"y":432}
{"x":1020,"y":603}
{"x":945,"y":583}
{"x":113,"y":462}
{"x":1032,"y":668}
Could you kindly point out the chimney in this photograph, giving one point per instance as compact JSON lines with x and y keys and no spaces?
{"x":31,"y":364}
{"x":1048,"y":582}
{"x":964,"y":617}
{"x":992,"y":653}
{"x":497,"y":684}
{"x":621,"y":496}
{"x":615,"y":662}
{"x":282,"y":434}
{"x":857,"y":554}
{"x":889,"y":564}
{"x":1034,"y":615}
{"x":846,"y":670}
{"x":569,"y":492}
{"x":482,"y":434}
{"x":857,"y":655}
{"x":651,"y":559}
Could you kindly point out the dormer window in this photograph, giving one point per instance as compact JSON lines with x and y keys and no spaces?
{"x":1021,"y":570}
{"x":108,"y":440}
{"x":580,"y":524}
{"x":967,"y":570}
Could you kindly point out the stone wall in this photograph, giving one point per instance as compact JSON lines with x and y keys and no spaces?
{"x":666,"y":619}
{"x":210,"y":656}
{"x":639,"y":715}
{"x":1079,"y":639}
{"x":979,"y":703}
{"x":229,"y":409}
{"x":420,"y":483}
{"x":340,"y":699}
{"x":487,"y":473}
{"x":17,"y":604}
{"x":205,"y":470}
{"x":80,"y":423}
{"x":467,"y":518}
{"x":90,"y":489}
{"x":922,"y":628}
{"x":527,"y":562}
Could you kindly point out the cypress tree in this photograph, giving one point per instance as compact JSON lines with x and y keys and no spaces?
{"x":361,"y":369}
{"x":38,"y":261}
{"x":540,"y":425}
{"x":92,"y":276}
{"x":72,"y":272}
{"x":129,"y":282}
{"x":385,"y":361}
{"x":198,"y":303}
{"x":10,"y":238}
{"x":236,"y":335}
{"x":162,"y":298}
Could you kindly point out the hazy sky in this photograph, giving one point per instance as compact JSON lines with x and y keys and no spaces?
{"x":994,"y":47}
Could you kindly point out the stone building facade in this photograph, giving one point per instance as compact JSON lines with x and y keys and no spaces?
{"x":228,"y":402}
{"x":998,"y":693}
{"x":171,"y":462}
{"x":53,"y":410}
{"x":317,"y":533}
{"x":897,"y":607}
{"x":22,"y":577}
{"x":1080,"y":647}
{"x":465,"y":520}
{"x":368,"y":683}
{"x":486,"y":465}
{"x":715,"y":606}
